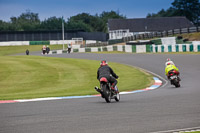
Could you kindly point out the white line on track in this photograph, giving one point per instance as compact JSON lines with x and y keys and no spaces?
{"x":163,"y":85}
{"x":178,"y":130}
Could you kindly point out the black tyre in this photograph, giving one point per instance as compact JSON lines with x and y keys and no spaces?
{"x":106,"y":93}
{"x":176,"y":83}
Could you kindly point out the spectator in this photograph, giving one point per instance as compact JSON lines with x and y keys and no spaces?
{"x":69,"y":48}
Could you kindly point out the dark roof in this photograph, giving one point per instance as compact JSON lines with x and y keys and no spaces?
{"x":151,"y":24}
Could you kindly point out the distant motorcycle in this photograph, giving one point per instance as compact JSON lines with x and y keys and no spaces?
{"x":69,"y":50}
{"x":174,"y":79}
{"x":107,"y":92}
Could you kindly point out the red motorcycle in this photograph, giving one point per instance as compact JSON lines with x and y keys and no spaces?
{"x":174,"y":78}
{"x":107,"y":92}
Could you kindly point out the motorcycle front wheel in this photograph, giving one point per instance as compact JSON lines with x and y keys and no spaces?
{"x":176,"y":83}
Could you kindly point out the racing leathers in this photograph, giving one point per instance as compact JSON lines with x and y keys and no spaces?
{"x":169,"y":68}
{"x":108,"y":73}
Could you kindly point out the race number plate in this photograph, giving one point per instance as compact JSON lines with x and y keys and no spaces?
{"x":173,"y":77}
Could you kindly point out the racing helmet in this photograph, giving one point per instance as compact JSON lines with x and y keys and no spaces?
{"x":168,"y":59}
{"x":103,"y":63}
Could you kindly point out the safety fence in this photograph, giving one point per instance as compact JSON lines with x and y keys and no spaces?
{"x":85,"y":43}
{"x":51,"y":42}
{"x":138,"y":48}
{"x":161,"y":34}
{"x":50,"y":35}
{"x":176,"y":48}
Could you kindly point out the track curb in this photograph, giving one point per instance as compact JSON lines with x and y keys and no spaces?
{"x":157,"y":84}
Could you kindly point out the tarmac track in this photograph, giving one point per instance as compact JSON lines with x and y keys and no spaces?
{"x":166,"y":108}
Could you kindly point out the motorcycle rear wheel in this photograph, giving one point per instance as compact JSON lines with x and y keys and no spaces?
{"x":106,"y":93}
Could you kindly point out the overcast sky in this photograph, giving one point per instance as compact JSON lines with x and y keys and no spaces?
{"x":67,"y":8}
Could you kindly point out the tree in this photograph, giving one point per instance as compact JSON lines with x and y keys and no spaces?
{"x":3,"y":26}
{"x":52,"y":23}
{"x":86,"y":21}
{"x":72,"y":25}
{"x":93,"y":23}
{"x":110,"y":15}
{"x":188,"y":8}
{"x":26,"y":21}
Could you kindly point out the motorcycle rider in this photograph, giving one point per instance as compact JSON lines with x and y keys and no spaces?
{"x":105,"y":71}
{"x":170,"y":67}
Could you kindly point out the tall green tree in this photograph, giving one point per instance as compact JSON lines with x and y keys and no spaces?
{"x":78,"y":25}
{"x":83,"y":21}
{"x":188,"y":8}
{"x":86,"y":22}
{"x":93,"y":23}
{"x":52,"y":23}
{"x":109,"y":15}
{"x":4,"y":25}
{"x":26,"y":21}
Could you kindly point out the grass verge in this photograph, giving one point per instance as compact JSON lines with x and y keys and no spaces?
{"x":24,"y":77}
{"x":8,"y":50}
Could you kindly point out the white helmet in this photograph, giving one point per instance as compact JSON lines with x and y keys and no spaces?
{"x":168,"y":59}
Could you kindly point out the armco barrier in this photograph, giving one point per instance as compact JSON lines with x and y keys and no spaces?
{"x":139,"y":48}
{"x":14,"y":43}
{"x":176,"y":48}
{"x":39,"y":43}
{"x":122,"y":48}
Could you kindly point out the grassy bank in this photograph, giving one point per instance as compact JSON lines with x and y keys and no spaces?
{"x":8,"y":50}
{"x":191,"y":36}
{"x":25,"y":77}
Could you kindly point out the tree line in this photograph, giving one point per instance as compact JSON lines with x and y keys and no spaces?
{"x":188,"y":8}
{"x":30,"y":21}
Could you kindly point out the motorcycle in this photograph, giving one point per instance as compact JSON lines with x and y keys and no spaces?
{"x":107,"y":92}
{"x":69,"y":50}
{"x":174,"y":79}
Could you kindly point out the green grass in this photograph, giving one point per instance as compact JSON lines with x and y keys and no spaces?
{"x":8,"y":50}
{"x":191,"y":36}
{"x":24,"y":77}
